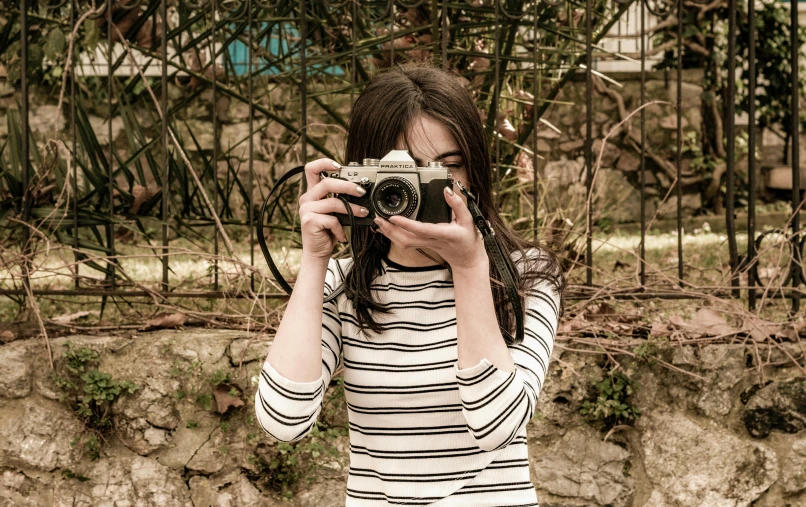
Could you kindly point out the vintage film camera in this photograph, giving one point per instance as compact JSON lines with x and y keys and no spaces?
{"x":396,"y":186}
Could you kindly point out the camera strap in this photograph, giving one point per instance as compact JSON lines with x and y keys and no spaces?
{"x":502,"y":263}
{"x":261,"y":238}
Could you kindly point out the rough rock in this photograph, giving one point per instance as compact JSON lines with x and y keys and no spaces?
{"x":616,"y":197}
{"x":609,"y":156}
{"x":724,"y":366}
{"x":571,"y":146}
{"x":580,"y":469}
{"x":794,"y":468}
{"x":43,"y":120}
{"x":185,"y":442}
{"x":237,"y":134}
{"x":780,"y":406}
{"x":15,"y":374}
{"x":227,"y":488}
{"x":131,"y":481}
{"x":37,"y":433}
{"x":248,"y":349}
{"x":690,"y":464}
{"x":670,"y":122}
{"x":202,"y":131}
{"x":101,"y":128}
{"x":628,"y":162}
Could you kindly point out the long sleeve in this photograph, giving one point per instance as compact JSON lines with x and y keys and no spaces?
{"x":285,"y":409}
{"x":498,"y":404}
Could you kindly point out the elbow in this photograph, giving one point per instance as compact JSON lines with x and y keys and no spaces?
{"x":489,"y":444}
{"x":491,"y":440}
{"x":499,"y":433}
{"x":280,"y":430}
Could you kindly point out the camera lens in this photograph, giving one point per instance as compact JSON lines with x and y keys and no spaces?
{"x":392,"y":197}
{"x":395,"y":196}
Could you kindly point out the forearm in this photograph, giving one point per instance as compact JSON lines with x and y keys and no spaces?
{"x":296,"y":352}
{"x":478,"y":335}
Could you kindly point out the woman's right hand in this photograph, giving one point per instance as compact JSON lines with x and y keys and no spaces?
{"x":320,"y":230}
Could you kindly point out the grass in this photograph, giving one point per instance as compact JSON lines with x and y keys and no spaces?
{"x":705,"y":256}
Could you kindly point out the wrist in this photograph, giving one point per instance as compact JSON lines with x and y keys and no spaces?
{"x":477,"y":267}
{"x":310,"y":262}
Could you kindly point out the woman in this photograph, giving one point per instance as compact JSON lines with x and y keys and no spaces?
{"x":437,"y":402}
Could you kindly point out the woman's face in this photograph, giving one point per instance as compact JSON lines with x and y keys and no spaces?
{"x":430,"y":141}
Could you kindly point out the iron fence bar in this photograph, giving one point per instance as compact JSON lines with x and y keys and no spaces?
{"x":250,"y":177}
{"x":110,"y":227}
{"x":496,"y":98}
{"x":214,"y":11}
{"x":445,"y":33}
{"x":730,"y":117}
{"x":166,"y":185}
{"x":74,"y":142}
{"x":589,"y":141}
{"x":391,"y":10}
{"x":679,"y":161}
{"x":303,"y":82}
{"x":642,"y":253}
{"x":751,"y":161}
{"x":26,"y":155}
{"x":795,"y":53}
{"x":353,"y":55}
{"x":535,"y":95}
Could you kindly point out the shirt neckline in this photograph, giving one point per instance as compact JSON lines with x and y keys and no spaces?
{"x":401,"y":267}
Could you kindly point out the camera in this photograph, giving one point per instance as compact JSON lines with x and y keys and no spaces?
{"x":395,"y":186}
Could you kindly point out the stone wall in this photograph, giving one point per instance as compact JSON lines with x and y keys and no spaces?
{"x":735,"y":438}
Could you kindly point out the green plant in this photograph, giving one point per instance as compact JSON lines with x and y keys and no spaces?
{"x":611,"y":402}
{"x":205,"y":400}
{"x":192,"y":424}
{"x":89,"y":393}
{"x":219,"y":377}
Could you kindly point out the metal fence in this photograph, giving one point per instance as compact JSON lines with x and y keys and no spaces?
{"x":330,"y":48}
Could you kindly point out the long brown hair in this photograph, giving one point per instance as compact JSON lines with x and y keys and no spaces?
{"x":384,"y":113}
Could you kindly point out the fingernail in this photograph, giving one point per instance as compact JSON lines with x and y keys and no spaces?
{"x":377,"y":220}
{"x":364,"y":211}
{"x":336,"y":164}
{"x":449,"y":190}
{"x":360,"y":190}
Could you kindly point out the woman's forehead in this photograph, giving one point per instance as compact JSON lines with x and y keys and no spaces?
{"x":428,"y":139}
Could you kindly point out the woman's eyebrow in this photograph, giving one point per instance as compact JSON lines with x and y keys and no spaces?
{"x":447,"y":154}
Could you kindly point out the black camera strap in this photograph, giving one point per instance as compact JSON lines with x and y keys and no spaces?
{"x":502,"y":263}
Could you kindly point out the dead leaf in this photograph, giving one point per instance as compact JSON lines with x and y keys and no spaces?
{"x":711,"y":323}
{"x":660,"y":329}
{"x":571,"y":325}
{"x":678,"y":321}
{"x":759,"y":329}
{"x":70,"y":317}
{"x":6,"y":336}
{"x":225,"y":400}
{"x":166,"y":321}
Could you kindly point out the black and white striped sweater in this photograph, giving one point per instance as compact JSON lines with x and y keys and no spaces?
{"x":422,"y":431}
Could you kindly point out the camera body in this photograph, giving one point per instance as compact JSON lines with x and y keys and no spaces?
{"x":394,"y":185}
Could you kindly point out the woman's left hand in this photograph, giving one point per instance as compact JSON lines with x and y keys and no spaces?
{"x":458,"y":242}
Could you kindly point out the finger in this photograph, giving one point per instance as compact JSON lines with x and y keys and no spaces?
{"x":401,"y":236}
{"x":318,"y":222}
{"x":313,"y":170}
{"x":332,"y":205}
{"x":333,"y":186}
{"x":459,"y":207}
{"x":431,"y":231}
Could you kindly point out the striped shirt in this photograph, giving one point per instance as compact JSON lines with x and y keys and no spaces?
{"x":422,"y":431}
